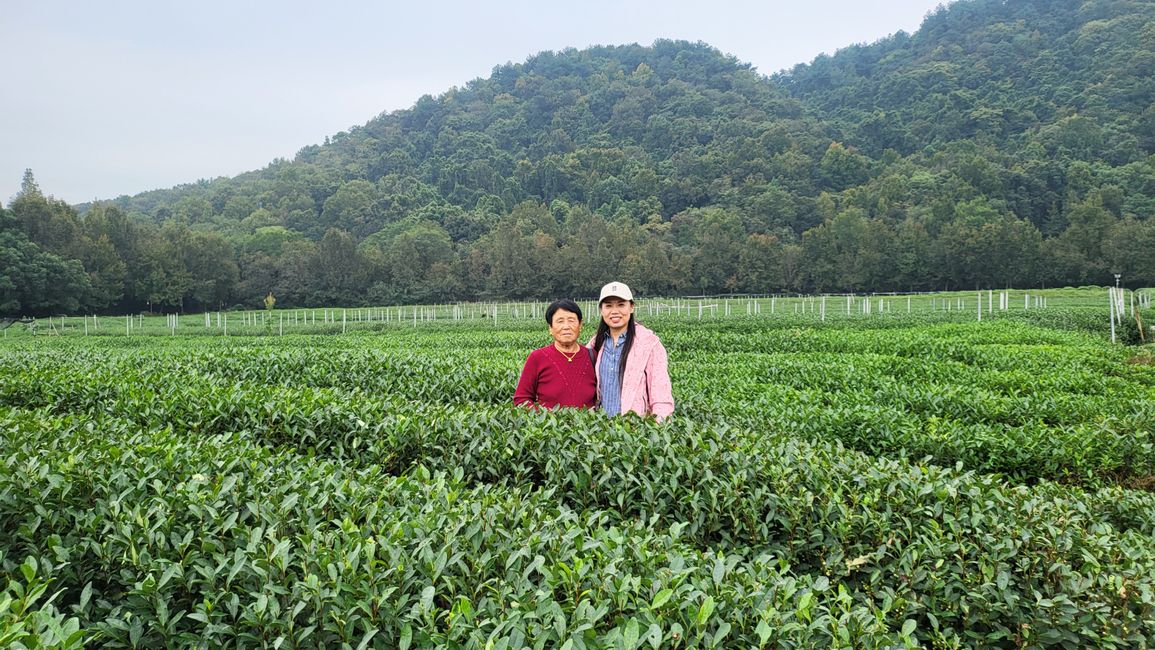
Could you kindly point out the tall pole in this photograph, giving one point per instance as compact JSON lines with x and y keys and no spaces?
{"x":1112,"y":293}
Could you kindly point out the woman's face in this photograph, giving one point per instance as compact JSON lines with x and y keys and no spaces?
{"x":565,"y":327}
{"x":616,"y":313}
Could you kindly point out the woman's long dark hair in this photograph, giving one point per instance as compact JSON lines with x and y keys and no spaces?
{"x":604,"y":332}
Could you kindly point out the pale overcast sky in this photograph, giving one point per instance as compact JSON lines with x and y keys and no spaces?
{"x":118,"y":97}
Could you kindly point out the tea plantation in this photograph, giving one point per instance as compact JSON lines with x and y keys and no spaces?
{"x":897,"y":481}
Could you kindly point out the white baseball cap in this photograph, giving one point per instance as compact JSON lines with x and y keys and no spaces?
{"x":616,"y":290}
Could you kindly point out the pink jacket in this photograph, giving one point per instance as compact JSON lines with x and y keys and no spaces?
{"x":646,"y":388}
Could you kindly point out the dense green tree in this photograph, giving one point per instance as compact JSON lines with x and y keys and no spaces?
{"x":1128,"y":249}
{"x":352,"y":208}
{"x":191,"y":209}
{"x":848,"y":253}
{"x":1089,"y":224}
{"x":49,"y":223}
{"x":912,"y":257}
{"x":297,"y":282}
{"x":520,"y":258}
{"x":107,"y":273}
{"x":213,"y":273}
{"x":34,"y":282}
{"x":595,"y":249}
{"x":653,"y":268}
{"x":340,"y":271}
{"x":985,"y":254}
{"x":159,"y":280}
{"x":761,"y":267}
{"x":260,"y":272}
{"x":718,"y":238}
{"x":416,"y":263}
{"x":842,"y":168}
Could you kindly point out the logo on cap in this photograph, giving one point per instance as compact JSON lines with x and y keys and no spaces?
{"x":616,"y":290}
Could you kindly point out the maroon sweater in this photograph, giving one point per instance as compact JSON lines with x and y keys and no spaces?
{"x":549,"y":379}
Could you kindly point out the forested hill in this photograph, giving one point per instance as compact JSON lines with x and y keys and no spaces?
{"x":1003,"y":143}
{"x":1074,"y":79}
{"x":628,"y":132}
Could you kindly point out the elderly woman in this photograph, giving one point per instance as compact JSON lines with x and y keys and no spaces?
{"x":561,"y":373}
{"x":632,"y":370}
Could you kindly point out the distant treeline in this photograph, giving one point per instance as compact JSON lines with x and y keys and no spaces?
{"x":1003,"y":144}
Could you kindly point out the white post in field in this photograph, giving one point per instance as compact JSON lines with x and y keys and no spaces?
{"x":1111,"y":300}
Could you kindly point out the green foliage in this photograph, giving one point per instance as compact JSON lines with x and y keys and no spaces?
{"x":866,"y":483}
{"x":28,"y":618}
{"x":34,"y":282}
{"x":184,"y":542}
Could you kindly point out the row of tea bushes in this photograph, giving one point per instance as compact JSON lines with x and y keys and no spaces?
{"x":468,"y":374}
{"x":1099,"y":433}
{"x":1097,"y":441}
{"x":931,"y":341}
{"x":341,"y":422}
{"x":1010,"y":361}
{"x":1063,"y":371}
{"x":159,"y":539}
{"x":425,"y":377}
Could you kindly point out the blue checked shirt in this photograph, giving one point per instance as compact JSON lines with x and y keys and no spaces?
{"x":611,"y":380}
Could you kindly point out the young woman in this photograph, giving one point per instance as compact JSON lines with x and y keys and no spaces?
{"x":632,"y":367}
{"x":561,"y":373}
